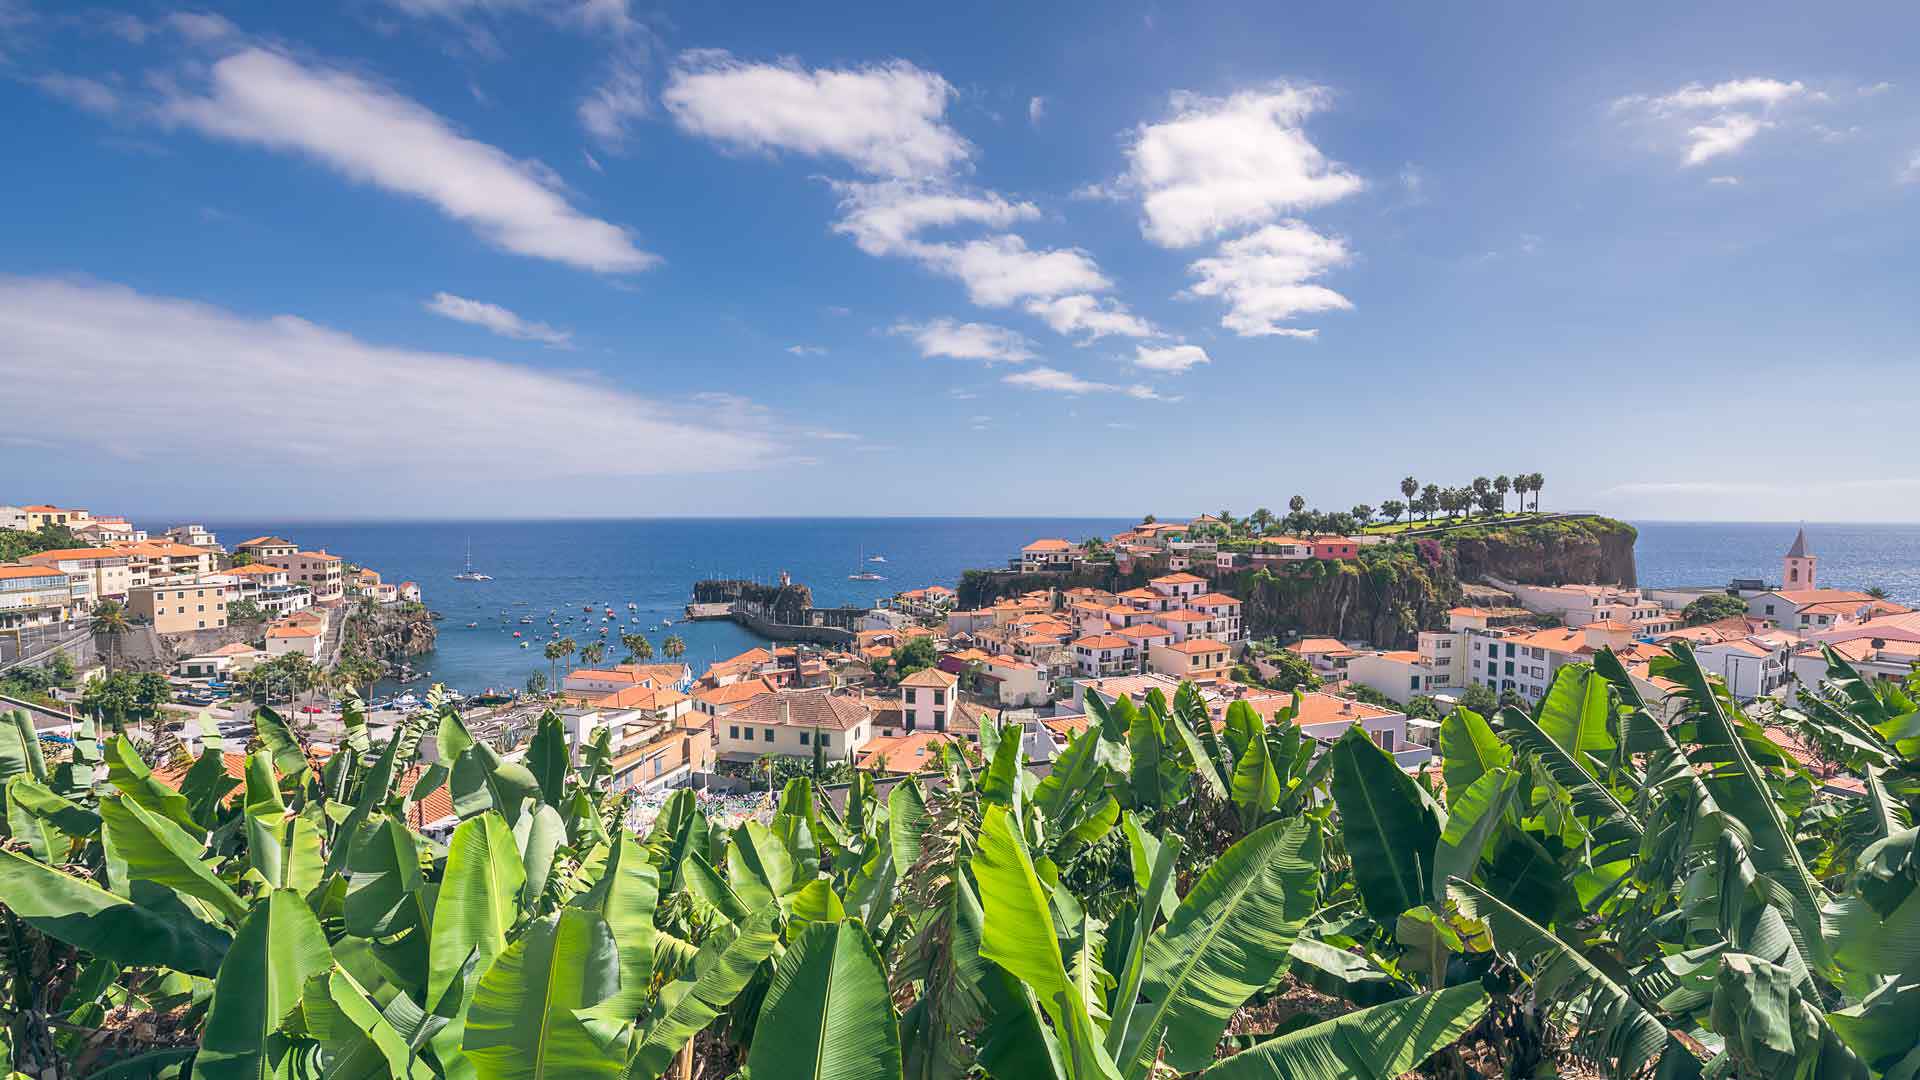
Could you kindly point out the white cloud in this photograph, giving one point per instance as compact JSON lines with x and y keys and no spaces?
{"x":608,"y":112}
{"x":1036,"y":108}
{"x":1729,"y":181}
{"x":437,"y":413}
{"x":202,"y":26}
{"x":883,"y":119}
{"x":1720,"y":136}
{"x":1094,"y":316}
{"x":372,"y":135}
{"x":1734,"y":93}
{"x":967,"y":341}
{"x":1172,"y":358}
{"x":90,"y":94}
{"x":1226,"y":163}
{"x":1001,"y":270}
{"x":807,"y":350}
{"x":496,"y":320}
{"x":1266,"y":278}
{"x":886,"y":218}
{"x":1053,"y":380}
{"x":1876,"y":89}
{"x":1911,"y":174}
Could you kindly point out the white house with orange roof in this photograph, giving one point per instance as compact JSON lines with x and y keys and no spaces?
{"x":928,"y":697}
{"x":794,"y":723}
{"x":1752,"y":666}
{"x":1179,"y":588}
{"x":1577,"y":605}
{"x":1184,"y":623}
{"x":714,"y":702}
{"x":1326,"y":717}
{"x":232,"y":659}
{"x":1437,"y":666}
{"x":1050,"y":553}
{"x":1100,"y":655}
{"x":265,"y":547}
{"x":1226,"y":614}
{"x":32,"y":594}
{"x":1525,"y":661}
{"x":1197,"y":660}
{"x":1328,"y":656}
{"x":1013,"y":682}
{"x":294,"y":638}
{"x":109,"y":573}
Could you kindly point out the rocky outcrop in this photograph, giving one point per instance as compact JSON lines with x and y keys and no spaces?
{"x":391,"y":634}
{"x":786,"y":603}
{"x":1585,"y":551}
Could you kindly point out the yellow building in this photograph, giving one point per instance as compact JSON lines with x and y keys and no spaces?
{"x":178,"y":608}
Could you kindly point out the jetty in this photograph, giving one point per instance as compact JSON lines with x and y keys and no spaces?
{"x":782,"y":612}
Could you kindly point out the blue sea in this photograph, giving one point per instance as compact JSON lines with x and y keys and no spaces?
{"x":563,"y":566}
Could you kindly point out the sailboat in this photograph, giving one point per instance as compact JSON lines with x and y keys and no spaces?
{"x":469,"y":573}
{"x":864,"y":575}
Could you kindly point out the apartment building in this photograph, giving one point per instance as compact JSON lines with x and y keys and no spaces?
{"x":1438,"y":665}
{"x":266,"y":547}
{"x":1578,"y":605}
{"x":193,"y":536}
{"x":1098,"y":656}
{"x":177,"y":608}
{"x":1525,"y":661}
{"x":1197,"y":660}
{"x":34,"y":595}
{"x":108,"y":573}
{"x":324,"y":574}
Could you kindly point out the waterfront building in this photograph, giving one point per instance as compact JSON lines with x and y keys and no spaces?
{"x":1049,"y":554}
{"x":179,"y":607}
{"x":193,"y":536}
{"x":294,"y":637}
{"x":265,"y":548}
{"x":265,"y":586}
{"x":317,"y":570}
{"x":236,"y":658}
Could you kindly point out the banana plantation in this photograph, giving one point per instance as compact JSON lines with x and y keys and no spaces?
{"x":1605,"y":886}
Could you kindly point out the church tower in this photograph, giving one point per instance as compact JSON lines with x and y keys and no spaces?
{"x":1797,"y":569}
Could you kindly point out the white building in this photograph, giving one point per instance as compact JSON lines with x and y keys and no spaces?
{"x":1098,"y":656}
{"x":1437,"y":666}
{"x":193,"y":536}
{"x":794,"y":723}
{"x":1524,"y":661}
{"x":1752,"y":667}
{"x":927,"y":698}
{"x":1578,"y":605}
{"x":1050,"y":554}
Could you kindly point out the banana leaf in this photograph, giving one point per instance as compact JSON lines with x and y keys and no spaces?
{"x":523,"y":1022}
{"x":278,"y":948}
{"x":1372,"y":1044}
{"x":828,"y":1015}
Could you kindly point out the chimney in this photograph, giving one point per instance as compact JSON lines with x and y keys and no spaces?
{"x":786,"y":712}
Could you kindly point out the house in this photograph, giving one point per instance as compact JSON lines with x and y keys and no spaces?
{"x":32,"y":594}
{"x":1525,"y":661}
{"x":1100,"y":655}
{"x":1133,"y":687}
{"x":109,"y":529}
{"x":795,"y":723}
{"x":1335,"y":547}
{"x":1049,"y":555}
{"x":927,"y":698}
{"x":407,"y":592}
{"x":1278,"y":549}
{"x":265,"y":547}
{"x":1014,"y":683}
{"x":1197,"y":660}
{"x":668,"y":759}
{"x":1225,"y":611}
{"x":153,"y":562}
{"x":755,"y":661}
{"x":716,"y":701}
{"x":1178,"y":588}
{"x":1811,"y":611}
{"x":1752,"y":666}
{"x":317,"y":570}
{"x":291,"y":638}
{"x":37,"y":517}
{"x":1326,"y":717}
{"x":193,"y":536}
{"x":1328,"y":656}
{"x":234,"y":659}
{"x":931,"y":603}
{"x":1436,"y":666}
{"x":1577,"y":605}
{"x":266,"y":586}
{"x":1873,"y":658}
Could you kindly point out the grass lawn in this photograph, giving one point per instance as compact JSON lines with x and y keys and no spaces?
{"x":1387,"y":529}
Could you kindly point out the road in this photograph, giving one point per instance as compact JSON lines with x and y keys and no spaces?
{"x":39,"y":642}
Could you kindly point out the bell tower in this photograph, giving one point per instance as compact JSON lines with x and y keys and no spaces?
{"x":1797,"y":570}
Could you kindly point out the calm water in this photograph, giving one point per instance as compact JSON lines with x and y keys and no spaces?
{"x":564,"y":565}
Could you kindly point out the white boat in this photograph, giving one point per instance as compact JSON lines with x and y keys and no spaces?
{"x":469,"y":573}
{"x":876,"y":558}
{"x":864,"y":575}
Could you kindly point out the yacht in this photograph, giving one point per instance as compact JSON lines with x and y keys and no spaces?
{"x":876,"y":558}
{"x":864,"y":575}
{"x":469,"y":573}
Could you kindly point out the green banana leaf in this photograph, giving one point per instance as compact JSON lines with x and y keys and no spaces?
{"x":522,"y":1024}
{"x":278,"y":948}
{"x":1390,"y":824}
{"x":1223,"y":944}
{"x":726,"y":962}
{"x":827,"y":1015}
{"x":88,"y":917}
{"x":1371,"y":1044}
{"x":153,"y":848}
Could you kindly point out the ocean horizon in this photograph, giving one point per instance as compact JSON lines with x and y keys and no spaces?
{"x":562,"y":565}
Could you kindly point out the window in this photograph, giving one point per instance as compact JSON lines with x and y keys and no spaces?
{"x":1416,"y":682}
{"x":769,"y":734}
{"x":733,"y":731}
{"x":826,"y":739}
{"x":1509,"y":667}
{"x":939,"y":697}
{"x":909,"y":695}
{"x":803,"y":738}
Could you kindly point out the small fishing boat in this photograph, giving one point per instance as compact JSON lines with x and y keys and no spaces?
{"x":472,"y":625}
{"x":876,"y":558}
{"x":522,"y":644}
{"x":516,"y":633}
{"x":631,"y":606}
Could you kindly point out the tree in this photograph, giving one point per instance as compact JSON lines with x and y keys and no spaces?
{"x":1409,"y":487}
{"x":1876,"y":592}
{"x":1481,"y":699}
{"x":1297,"y":503}
{"x":1491,"y":503}
{"x":536,"y":684}
{"x":1362,"y":513}
{"x":110,"y":621}
{"x":1430,"y":500}
{"x":1502,"y":484}
{"x":1392,"y":509}
{"x":244,"y":558}
{"x":245,"y":613}
{"x":639,"y":649}
{"x":914,"y":655}
{"x":592,"y":653}
{"x":1291,"y":671}
{"x":568,"y":647}
{"x":1261,"y":520}
{"x":358,"y":672}
{"x":1148,"y":520}
{"x":1480,"y":489}
{"x":61,"y":670}
{"x":673,"y":648}
{"x":553,"y":652}
{"x":1534,"y":483}
{"x":1712,"y":608}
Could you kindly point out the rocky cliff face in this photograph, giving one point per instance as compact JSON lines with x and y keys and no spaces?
{"x":1586,"y":551}
{"x":779,"y":603}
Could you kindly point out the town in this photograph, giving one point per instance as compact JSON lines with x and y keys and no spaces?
{"x":912,"y":679}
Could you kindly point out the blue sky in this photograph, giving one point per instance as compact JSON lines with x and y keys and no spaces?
{"x":556,"y":257}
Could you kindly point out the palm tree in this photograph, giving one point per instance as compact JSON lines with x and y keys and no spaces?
{"x":1297,"y":503}
{"x":639,"y":649}
{"x":110,"y":621}
{"x":1482,"y":487}
{"x":1534,"y":483}
{"x":673,"y":647}
{"x":1409,"y":487}
{"x":568,"y":647}
{"x":1430,"y":499}
{"x":1502,"y":484}
{"x":553,"y":654}
{"x":1262,"y":520}
{"x":592,"y":653}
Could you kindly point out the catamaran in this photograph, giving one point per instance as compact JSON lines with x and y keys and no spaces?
{"x":864,"y":575}
{"x":469,"y":573}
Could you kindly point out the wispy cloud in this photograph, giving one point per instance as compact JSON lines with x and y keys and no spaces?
{"x":1173,"y":358}
{"x":1036,"y":109}
{"x":373,"y":135}
{"x":1739,"y":109}
{"x":496,"y":320}
{"x":435,"y":413}
{"x":1053,"y":380}
{"x":807,"y":350}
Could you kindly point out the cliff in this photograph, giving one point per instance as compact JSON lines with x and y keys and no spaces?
{"x":391,"y":633}
{"x":788,"y":604}
{"x":1391,"y":592}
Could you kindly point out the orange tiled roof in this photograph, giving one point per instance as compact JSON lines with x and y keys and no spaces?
{"x":1196,"y":645}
